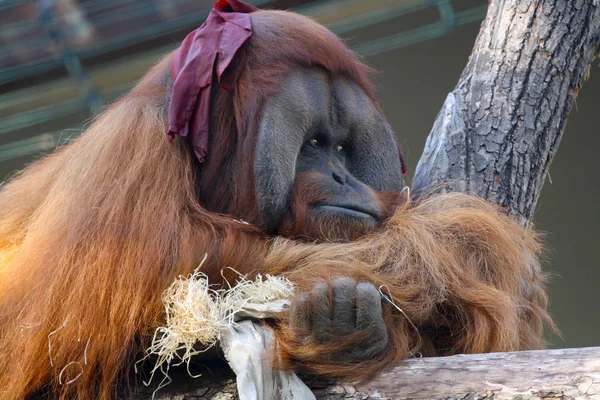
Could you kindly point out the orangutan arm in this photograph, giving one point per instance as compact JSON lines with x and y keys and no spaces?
{"x":453,"y":264}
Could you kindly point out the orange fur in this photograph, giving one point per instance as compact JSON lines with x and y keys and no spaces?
{"x":91,"y":236}
{"x":465,"y":274}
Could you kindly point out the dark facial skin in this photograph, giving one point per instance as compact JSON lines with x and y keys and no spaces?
{"x":317,"y":123}
{"x":328,"y":128}
{"x":326,"y":156}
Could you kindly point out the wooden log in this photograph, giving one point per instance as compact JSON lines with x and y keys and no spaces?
{"x":545,"y":374}
{"x":542,"y":374}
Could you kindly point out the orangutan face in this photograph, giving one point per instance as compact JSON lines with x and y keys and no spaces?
{"x":324,"y":148}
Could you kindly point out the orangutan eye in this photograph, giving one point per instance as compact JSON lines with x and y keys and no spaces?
{"x":315,"y":142}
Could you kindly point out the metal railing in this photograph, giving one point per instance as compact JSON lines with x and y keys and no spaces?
{"x":448,"y":20}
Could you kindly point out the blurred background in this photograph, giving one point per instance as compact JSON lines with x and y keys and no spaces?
{"x":62,"y":60}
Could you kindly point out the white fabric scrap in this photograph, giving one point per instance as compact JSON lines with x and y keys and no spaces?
{"x":195,"y":313}
{"x":247,"y":346}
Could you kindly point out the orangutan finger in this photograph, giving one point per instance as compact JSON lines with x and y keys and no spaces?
{"x":300,"y":315}
{"x":344,"y":298}
{"x":321,"y":312}
{"x":368,"y":306}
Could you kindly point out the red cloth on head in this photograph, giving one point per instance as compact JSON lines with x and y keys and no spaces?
{"x":209,"y":48}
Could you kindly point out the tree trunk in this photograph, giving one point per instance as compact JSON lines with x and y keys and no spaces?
{"x":499,"y":130}
{"x":495,"y":137}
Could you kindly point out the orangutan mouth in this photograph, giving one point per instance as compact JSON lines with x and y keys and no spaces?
{"x":351,"y":209}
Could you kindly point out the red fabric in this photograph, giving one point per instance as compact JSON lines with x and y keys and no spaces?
{"x":209,"y":48}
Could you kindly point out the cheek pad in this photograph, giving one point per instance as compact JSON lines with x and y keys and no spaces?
{"x":375,"y":158}
{"x":277,"y":147}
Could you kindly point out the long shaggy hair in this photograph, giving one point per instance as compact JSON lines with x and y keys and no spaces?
{"x":463,"y":276}
{"x":91,"y":236}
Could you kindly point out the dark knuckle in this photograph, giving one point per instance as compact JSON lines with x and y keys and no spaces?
{"x":343,"y":282}
{"x":301,"y":300}
{"x":320,"y":288}
{"x":366,"y":289}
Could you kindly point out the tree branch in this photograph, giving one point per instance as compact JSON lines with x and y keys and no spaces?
{"x":566,"y":373}
{"x":545,"y":374}
{"x":500,"y":128}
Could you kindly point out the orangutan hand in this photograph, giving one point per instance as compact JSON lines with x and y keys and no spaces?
{"x":346,"y":314}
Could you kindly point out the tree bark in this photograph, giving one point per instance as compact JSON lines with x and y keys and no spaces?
{"x":495,"y":137}
{"x":546,"y":374}
{"x":500,"y":128}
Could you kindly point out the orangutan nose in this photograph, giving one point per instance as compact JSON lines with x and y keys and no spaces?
{"x":339,"y":177}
